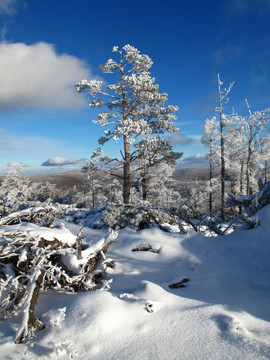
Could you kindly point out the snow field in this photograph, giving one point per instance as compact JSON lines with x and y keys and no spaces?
{"x":222,"y":313}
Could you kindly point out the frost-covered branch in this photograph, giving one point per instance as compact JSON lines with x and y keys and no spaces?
{"x":252,"y":203}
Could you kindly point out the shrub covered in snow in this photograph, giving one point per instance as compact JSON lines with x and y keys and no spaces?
{"x":118,"y":216}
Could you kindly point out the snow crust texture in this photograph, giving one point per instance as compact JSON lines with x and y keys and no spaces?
{"x":222,"y":312}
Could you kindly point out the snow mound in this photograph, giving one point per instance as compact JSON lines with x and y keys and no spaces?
{"x":35,"y":231}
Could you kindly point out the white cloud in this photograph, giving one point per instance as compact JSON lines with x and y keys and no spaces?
{"x":59,"y":161}
{"x":180,"y":139}
{"x":198,"y":160}
{"x":35,"y":76}
{"x":9,"y":7}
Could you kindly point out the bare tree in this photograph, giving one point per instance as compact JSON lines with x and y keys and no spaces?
{"x":222,"y":100}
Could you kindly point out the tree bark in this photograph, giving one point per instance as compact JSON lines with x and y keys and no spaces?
{"x":211,"y":187}
{"x":126,"y":194}
{"x":144,"y":188}
{"x":222,"y":153}
{"x":265,"y":170}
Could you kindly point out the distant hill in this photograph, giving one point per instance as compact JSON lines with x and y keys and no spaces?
{"x":64,"y":181}
{"x":67,"y":180}
{"x":191,"y":174}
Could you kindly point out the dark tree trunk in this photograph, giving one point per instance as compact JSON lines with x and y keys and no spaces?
{"x":222,"y":171}
{"x":144,"y":188}
{"x":211,"y":186}
{"x":126,"y":189}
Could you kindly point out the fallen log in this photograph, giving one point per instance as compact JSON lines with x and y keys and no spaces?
{"x":252,"y":203}
{"x":33,"y":215}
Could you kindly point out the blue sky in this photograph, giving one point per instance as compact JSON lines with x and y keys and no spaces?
{"x":47,"y":46}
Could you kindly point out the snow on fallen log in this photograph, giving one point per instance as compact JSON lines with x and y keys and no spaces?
{"x":29,"y":320}
{"x":251,"y":203}
{"x":30,"y":264}
{"x":38,"y":215}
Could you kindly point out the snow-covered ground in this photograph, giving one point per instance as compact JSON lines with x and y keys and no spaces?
{"x":222,"y":313}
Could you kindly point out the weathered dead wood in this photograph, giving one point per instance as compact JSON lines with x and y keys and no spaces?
{"x":252,"y":221}
{"x":35,"y":215}
{"x":79,"y":243}
{"x":179,"y":284}
{"x":95,"y":258}
{"x":252,"y":203}
{"x":52,"y":244}
{"x":213,"y":226}
{"x":109,"y":263}
{"x":30,"y":321}
{"x":146,"y":247}
{"x":24,"y":269}
{"x":149,"y":307}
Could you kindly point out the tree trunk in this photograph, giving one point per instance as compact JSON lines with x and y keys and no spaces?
{"x":126,"y":194}
{"x":265,"y":170}
{"x":248,"y":165}
{"x":211,"y":176}
{"x":93,"y":199}
{"x":144,"y":188}
{"x":211,"y":186}
{"x":222,"y":171}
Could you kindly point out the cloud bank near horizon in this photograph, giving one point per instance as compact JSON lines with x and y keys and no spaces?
{"x":198,"y":160}
{"x":36,"y":76}
{"x":59,"y":161}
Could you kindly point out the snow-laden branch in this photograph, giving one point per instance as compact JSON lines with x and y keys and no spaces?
{"x":29,"y":265}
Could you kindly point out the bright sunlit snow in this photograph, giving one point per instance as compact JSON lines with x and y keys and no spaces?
{"x":222,"y":313}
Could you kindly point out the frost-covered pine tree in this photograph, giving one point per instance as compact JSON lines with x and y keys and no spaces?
{"x":97,"y":188}
{"x":134,"y":106}
{"x":265,"y":156}
{"x":151,"y":153}
{"x":161,"y":186}
{"x":113,"y":190}
{"x":14,"y":189}
{"x":92,"y":184}
{"x":255,"y":126}
{"x":42,"y":191}
{"x":247,"y":148}
{"x":235,"y":153}
{"x":17,"y":191}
